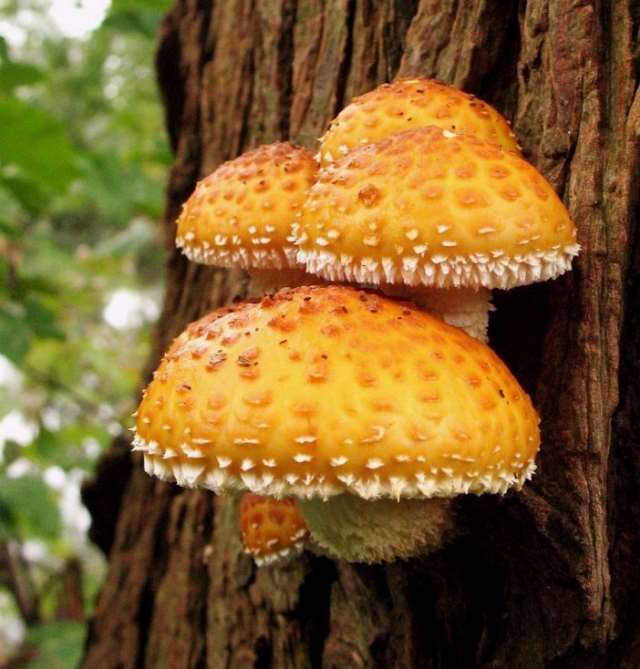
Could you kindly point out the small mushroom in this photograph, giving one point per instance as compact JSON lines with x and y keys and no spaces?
{"x":372,"y":413}
{"x":407,"y":104}
{"x":425,"y":213}
{"x":241,"y":214}
{"x":273,"y":531}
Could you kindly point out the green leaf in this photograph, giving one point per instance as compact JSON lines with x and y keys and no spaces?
{"x":64,"y":447}
{"x":41,"y":319}
{"x":37,"y":144}
{"x":141,"y":16}
{"x":15,"y":337}
{"x":158,"y":6}
{"x":14,"y":74}
{"x":31,"y":505}
{"x":4,"y":49}
{"x":9,"y":401}
{"x":59,"y":644}
{"x":5,"y":272}
{"x":11,"y":451}
{"x":9,"y":229}
{"x":26,"y":192}
{"x":45,"y":448}
{"x":134,"y":238}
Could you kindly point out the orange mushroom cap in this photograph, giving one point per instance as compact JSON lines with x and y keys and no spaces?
{"x":319,"y":391}
{"x":431,"y":207}
{"x":273,"y":530}
{"x":408,"y":104}
{"x":241,"y":214}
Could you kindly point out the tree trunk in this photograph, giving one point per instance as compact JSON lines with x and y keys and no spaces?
{"x":545,"y":578}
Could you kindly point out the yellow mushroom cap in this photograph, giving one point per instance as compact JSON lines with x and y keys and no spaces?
{"x":273,"y":530}
{"x":431,"y":207}
{"x":241,"y":214}
{"x":407,"y":104}
{"x":326,"y":389}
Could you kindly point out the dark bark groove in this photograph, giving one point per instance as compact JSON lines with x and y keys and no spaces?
{"x":547,"y":578}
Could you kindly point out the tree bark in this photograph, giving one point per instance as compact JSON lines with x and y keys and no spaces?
{"x":545,"y":578}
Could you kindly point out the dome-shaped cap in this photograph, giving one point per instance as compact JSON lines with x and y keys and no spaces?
{"x":241,"y":214}
{"x":408,"y":104}
{"x":322,"y":390}
{"x":273,"y":530}
{"x":430,"y":207}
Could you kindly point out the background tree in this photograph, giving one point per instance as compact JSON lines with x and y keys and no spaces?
{"x":83,"y":157}
{"x":545,"y":578}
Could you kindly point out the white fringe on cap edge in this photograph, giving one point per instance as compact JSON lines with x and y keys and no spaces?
{"x":473,"y":271}
{"x":285,"y":258}
{"x":428,"y":482}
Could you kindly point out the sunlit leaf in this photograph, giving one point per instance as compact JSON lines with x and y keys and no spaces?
{"x":9,"y":400}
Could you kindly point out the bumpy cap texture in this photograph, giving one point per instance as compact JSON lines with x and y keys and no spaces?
{"x":323,"y":390}
{"x":408,"y":104}
{"x":240,"y":215}
{"x":273,"y":530}
{"x":430,"y":207}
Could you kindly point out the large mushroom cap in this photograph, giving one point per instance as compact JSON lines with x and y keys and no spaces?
{"x":273,"y":530}
{"x":407,"y":104}
{"x":430,"y":207}
{"x":323,"y":390}
{"x":241,"y":214}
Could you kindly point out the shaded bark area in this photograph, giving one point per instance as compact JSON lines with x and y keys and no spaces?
{"x":546,"y":578}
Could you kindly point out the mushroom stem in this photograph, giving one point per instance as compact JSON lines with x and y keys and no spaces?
{"x":465,"y":308}
{"x":267,"y":281}
{"x":350,"y":528}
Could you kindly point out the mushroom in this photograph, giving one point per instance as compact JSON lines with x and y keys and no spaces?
{"x":273,"y":531}
{"x":240,"y":215}
{"x":408,"y":104}
{"x":426,"y":211}
{"x":371,"y":412}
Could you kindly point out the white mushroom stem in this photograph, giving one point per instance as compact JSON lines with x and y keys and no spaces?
{"x":465,"y":308}
{"x":353,"y":529}
{"x":267,"y":281}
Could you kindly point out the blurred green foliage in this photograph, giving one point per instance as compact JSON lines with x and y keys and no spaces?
{"x":59,"y":644}
{"x":83,"y":158}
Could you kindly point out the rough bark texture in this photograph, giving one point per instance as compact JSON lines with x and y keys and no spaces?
{"x":547,"y":578}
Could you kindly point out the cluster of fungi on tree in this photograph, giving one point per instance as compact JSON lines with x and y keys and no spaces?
{"x":374,"y":404}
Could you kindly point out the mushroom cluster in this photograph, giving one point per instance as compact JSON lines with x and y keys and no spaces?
{"x":372,"y":412}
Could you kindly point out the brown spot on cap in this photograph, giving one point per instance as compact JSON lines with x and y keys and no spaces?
{"x":369,"y":195}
